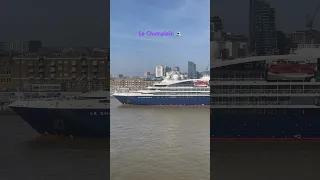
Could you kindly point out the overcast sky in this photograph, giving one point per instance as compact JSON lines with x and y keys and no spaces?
{"x":58,"y":22}
{"x":290,"y":14}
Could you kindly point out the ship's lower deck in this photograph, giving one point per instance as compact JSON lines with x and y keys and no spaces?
{"x":164,"y":100}
{"x":275,"y":123}
{"x":67,"y":122}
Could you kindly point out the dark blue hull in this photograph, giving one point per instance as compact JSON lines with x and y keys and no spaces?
{"x":164,"y":100}
{"x":275,"y":123}
{"x":68,"y":122}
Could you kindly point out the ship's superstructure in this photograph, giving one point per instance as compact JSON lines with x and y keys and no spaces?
{"x":175,"y":89}
{"x":267,"y":96}
{"x":87,"y":115}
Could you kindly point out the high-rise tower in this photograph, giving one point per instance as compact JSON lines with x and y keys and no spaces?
{"x":262,"y":31}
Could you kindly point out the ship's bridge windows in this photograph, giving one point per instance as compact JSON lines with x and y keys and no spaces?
{"x":185,"y":83}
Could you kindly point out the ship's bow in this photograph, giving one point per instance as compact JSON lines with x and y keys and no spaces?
{"x":124,"y":99}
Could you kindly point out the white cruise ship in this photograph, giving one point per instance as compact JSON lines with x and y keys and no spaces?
{"x":267,"y":96}
{"x":175,"y":89}
{"x":87,"y":115}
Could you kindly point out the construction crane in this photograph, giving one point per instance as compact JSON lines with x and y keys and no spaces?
{"x":309,"y":21}
{"x":217,"y":24}
{"x":207,"y":68}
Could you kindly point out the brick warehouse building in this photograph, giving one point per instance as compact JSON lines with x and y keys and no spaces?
{"x":79,"y":69}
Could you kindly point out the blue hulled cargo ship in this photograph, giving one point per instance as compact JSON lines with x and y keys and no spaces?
{"x":85,"y":116}
{"x":173,"y":90}
{"x":273,"y":97}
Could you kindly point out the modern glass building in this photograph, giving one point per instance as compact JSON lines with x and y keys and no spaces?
{"x":262,"y":30}
{"x":192,"y":70}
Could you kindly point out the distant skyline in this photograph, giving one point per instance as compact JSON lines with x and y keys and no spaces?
{"x":133,"y":55}
{"x":153,"y":70}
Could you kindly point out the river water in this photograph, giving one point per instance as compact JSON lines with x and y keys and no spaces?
{"x":159,"y":143}
{"x":265,"y":160}
{"x":156,"y":143}
{"x":26,"y":156}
